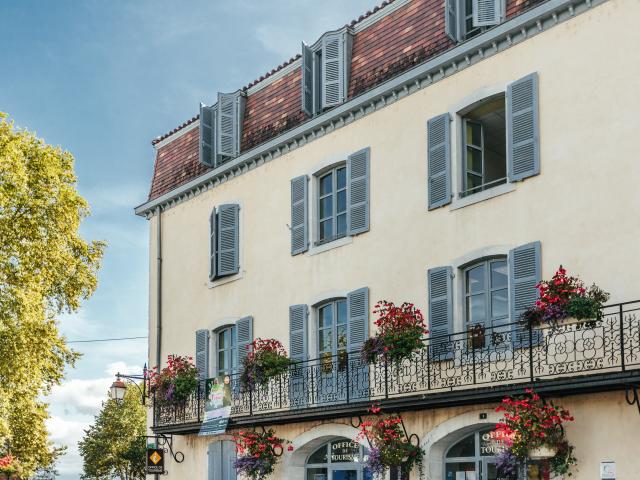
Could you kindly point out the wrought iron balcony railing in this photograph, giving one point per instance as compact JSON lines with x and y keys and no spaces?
{"x":481,"y":357}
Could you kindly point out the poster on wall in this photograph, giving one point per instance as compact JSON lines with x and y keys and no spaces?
{"x":217,"y":406}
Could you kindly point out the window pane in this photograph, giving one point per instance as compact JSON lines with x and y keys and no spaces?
{"x":319,"y":456}
{"x":342,"y":311}
{"x":499,"y":274}
{"x":326,"y":316}
{"x":326,"y":340}
{"x":326,"y":207}
{"x":222,"y":339}
{"x":342,"y":177}
{"x":326,"y":229}
{"x":342,"y":201}
{"x":317,"y":473}
{"x":454,"y":471}
{"x":342,"y":225}
{"x":474,"y":160}
{"x":464,"y":448}
{"x":476,"y":311}
{"x":474,"y":134}
{"x":499,"y":304}
{"x":342,"y":336}
{"x":222,"y":363}
{"x":326,"y":184}
{"x":475,"y":279}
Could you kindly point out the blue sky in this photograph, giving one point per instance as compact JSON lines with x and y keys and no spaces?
{"x":102,"y":79}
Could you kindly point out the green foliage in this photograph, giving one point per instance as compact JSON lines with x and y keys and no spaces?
{"x":45,"y":268}
{"x":115,"y":446}
{"x":174,"y":383}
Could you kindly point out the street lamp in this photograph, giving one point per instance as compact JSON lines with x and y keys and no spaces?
{"x":118,"y":388}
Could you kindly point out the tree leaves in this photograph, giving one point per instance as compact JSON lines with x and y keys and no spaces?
{"x":115,"y":445}
{"x":46,"y":267}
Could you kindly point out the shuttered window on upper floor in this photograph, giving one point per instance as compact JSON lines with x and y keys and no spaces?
{"x":224,"y":246}
{"x":221,"y":129}
{"x":465,"y":19}
{"x":325,"y":71}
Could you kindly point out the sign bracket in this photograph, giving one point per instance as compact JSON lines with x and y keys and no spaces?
{"x":632,"y":396}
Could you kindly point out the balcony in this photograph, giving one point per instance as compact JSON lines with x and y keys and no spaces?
{"x":476,"y":366}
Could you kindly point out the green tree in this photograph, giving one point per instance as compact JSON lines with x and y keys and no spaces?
{"x":115,"y":445}
{"x":46,"y":268}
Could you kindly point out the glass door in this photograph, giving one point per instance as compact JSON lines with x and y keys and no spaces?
{"x":332,"y":349}
{"x":345,"y":474}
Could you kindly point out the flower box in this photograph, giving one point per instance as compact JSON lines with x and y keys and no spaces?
{"x":266,"y":359}
{"x":175,"y":383}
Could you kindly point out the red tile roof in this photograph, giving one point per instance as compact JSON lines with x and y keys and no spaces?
{"x":403,"y":39}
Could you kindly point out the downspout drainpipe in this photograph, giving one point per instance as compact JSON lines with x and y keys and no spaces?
{"x":159,"y":290}
{"x":158,"y":297}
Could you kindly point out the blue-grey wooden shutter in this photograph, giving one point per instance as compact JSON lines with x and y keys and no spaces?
{"x":358,"y":332}
{"x":451,"y":19}
{"x":298,"y":352}
{"x":333,"y":69}
{"x":202,"y":353}
{"x":440,"y":312}
{"x":228,"y":239}
{"x":244,"y":335}
{"x":227,"y":125}
{"x":523,"y":131}
{"x":228,"y":458}
{"x":214,"y":451}
{"x":212,"y":245}
{"x":439,"y":161}
{"x":299,"y":213}
{"x":486,"y":12}
{"x":307,"y":81}
{"x":207,"y":138}
{"x":358,"y":192}
{"x":524,"y":275}
{"x":358,"y":314}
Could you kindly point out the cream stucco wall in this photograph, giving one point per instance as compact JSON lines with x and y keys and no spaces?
{"x":582,"y":207}
{"x":605,"y":429}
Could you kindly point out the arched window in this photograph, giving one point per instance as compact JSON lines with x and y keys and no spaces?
{"x":473,"y":457}
{"x":339,"y":459}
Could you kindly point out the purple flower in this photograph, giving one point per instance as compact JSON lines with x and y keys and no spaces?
{"x":507,"y":464}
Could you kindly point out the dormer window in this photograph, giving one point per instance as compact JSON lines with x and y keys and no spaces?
{"x":221,"y":129}
{"x":465,"y":19}
{"x":325,"y":71}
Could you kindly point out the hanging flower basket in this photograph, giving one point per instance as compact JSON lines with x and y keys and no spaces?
{"x":390,"y":447}
{"x":565,"y":299}
{"x":533,"y":430}
{"x":175,"y":383}
{"x":9,"y":468}
{"x":267,"y":359}
{"x":258,"y":453}
{"x":400,"y":332}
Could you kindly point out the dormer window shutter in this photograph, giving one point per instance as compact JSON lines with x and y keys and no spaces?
{"x":451,"y":19}
{"x":229,"y":117}
{"x":308,"y":106}
{"x":486,"y":12}
{"x":336,"y":59}
{"x":207,"y":135}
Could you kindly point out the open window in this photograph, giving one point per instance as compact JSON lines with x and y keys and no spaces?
{"x":325,"y":71}
{"x":221,"y":128}
{"x":464,"y":19}
{"x":484,"y":139}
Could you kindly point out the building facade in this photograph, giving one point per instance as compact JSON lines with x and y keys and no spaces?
{"x":446,"y":153}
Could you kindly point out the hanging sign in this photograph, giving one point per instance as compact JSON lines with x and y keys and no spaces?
{"x":155,"y":460}
{"x":217,"y":406}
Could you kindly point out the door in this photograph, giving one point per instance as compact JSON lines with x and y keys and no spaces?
{"x":345,"y":474}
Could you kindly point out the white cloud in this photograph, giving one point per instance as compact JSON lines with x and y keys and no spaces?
{"x":74,"y":405}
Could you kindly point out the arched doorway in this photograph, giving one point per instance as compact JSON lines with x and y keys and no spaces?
{"x":338,"y":459}
{"x":473,"y":457}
